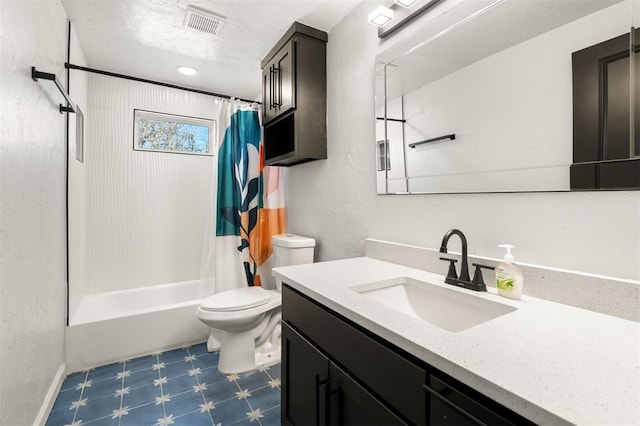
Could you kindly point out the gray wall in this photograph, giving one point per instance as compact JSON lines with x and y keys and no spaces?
{"x":334,"y":200}
{"x":32,"y":207}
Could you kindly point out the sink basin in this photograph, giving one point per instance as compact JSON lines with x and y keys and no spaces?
{"x":440,"y":306}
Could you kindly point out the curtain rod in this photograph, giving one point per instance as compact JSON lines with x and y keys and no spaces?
{"x":158,"y":83}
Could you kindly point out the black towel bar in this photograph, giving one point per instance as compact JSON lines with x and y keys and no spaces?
{"x":36,"y":75}
{"x":414,"y":144}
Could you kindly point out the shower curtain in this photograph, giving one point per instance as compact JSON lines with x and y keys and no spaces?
{"x":250,"y":204}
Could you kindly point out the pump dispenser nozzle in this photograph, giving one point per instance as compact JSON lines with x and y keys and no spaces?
{"x":508,"y":257}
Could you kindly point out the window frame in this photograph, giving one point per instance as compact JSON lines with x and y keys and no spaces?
{"x":174,"y":118}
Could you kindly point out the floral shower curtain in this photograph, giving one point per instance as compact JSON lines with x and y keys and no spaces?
{"x":250,"y":204}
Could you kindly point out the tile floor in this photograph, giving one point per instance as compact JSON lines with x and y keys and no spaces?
{"x":178,"y":387}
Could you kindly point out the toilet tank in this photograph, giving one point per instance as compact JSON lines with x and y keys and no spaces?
{"x":289,"y":249}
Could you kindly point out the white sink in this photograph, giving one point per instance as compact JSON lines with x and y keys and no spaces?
{"x":445,"y":308}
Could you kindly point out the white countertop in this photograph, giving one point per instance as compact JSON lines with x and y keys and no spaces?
{"x":551,"y":363}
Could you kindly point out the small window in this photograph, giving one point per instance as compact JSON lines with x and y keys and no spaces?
{"x":155,"y":131}
{"x":384,"y":161}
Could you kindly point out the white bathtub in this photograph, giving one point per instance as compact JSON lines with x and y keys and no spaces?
{"x":114,"y":326}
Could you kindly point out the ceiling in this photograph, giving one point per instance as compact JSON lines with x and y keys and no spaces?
{"x":147,"y":38}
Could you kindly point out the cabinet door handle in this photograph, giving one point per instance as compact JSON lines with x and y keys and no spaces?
{"x":322,"y":407}
{"x":272,"y":82}
{"x":453,"y":406}
{"x":277,"y":90}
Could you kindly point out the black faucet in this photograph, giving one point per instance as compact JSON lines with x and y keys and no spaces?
{"x":463,"y":280}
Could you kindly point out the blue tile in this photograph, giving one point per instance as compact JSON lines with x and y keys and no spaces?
{"x":60,"y":417}
{"x":194,"y":419}
{"x":220,"y":391}
{"x":65,"y":398}
{"x":176,"y":385}
{"x":173,"y":356}
{"x":141,"y":378}
{"x":206,"y":360}
{"x":265,"y":398}
{"x":141,"y":396}
{"x":72,"y":380}
{"x":105,"y":372}
{"x":142,"y":363}
{"x":231,"y":411}
{"x":176,"y":369}
{"x":102,"y":421}
{"x":253,"y":380}
{"x":183,"y":403}
{"x":271,"y":417}
{"x":146,"y":415}
{"x":211,"y":375}
{"x":101,"y":389}
{"x":199,"y":349}
{"x":98,"y":408}
{"x":275,"y":371}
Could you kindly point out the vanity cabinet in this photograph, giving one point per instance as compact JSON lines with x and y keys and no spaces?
{"x":336,"y":372}
{"x":294,"y":87}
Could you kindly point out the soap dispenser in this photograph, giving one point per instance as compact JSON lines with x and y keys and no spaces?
{"x":508,"y":276}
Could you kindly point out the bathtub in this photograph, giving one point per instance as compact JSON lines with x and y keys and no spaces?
{"x":114,"y":326}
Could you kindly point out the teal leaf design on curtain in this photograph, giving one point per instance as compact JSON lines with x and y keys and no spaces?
{"x":240,"y":182}
{"x":233,"y":155}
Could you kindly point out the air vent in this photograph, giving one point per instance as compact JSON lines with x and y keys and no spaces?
{"x":203,"y":20}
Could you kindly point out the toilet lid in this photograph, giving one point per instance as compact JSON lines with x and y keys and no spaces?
{"x":236,"y":299}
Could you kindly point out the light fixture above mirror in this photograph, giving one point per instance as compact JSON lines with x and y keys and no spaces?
{"x":380,"y":16}
{"x":405,"y":3}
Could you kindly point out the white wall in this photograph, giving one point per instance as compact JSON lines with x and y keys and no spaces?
{"x":32,"y":207}
{"x":334,"y":200}
{"x":146,"y":211}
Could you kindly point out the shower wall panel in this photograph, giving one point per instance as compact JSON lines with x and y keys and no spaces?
{"x":146,"y":211}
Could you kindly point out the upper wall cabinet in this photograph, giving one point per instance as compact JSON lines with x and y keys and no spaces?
{"x":294,"y":88}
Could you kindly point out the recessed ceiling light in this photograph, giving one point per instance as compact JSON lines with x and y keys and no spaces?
{"x":380,"y":16}
{"x":187,"y":70}
{"x":405,"y":3}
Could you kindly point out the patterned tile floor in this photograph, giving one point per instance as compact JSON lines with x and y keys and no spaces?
{"x":178,"y":387}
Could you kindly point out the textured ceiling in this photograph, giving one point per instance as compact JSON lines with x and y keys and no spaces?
{"x":146,"y":38}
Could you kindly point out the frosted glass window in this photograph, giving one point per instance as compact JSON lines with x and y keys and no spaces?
{"x":173,"y":133}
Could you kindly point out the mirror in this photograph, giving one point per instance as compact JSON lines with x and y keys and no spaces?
{"x":480,"y":99}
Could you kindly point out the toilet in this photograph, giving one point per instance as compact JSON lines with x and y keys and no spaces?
{"x":249,"y":317}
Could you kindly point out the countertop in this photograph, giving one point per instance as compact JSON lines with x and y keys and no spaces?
{"x":551,"y":363}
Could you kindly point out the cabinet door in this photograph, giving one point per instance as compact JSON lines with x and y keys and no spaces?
{"x":452,"y":404}
{"x":305,"y":378}
{"x":352,"y":405}
{"x":268,"y":108}
{"x":284,"y":93}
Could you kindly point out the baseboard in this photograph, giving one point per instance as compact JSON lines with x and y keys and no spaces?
{"x":51,"y":396}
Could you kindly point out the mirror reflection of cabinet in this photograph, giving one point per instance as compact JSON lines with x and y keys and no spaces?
{"x":498,"y":75}
{"x":606,"y":153}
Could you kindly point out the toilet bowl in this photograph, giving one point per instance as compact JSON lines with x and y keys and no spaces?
{"x":249,"y":317}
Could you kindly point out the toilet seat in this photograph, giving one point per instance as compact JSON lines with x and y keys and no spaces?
{"x":236,"y":299}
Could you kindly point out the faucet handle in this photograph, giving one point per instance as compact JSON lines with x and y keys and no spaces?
{"x":451,"y":274}
{"x":478,"y":281}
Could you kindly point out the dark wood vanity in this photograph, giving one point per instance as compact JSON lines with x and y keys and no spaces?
{"x":336,"y":372}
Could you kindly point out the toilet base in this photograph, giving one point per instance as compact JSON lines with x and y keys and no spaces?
{"x":239,"y":353}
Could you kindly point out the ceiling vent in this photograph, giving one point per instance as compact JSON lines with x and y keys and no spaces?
{"x":203,"y":20}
